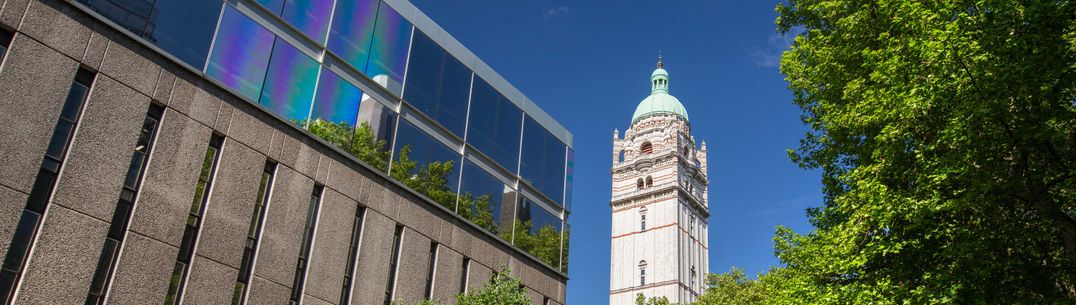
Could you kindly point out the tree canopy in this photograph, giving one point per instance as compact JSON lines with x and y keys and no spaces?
{"x":946,"y":135}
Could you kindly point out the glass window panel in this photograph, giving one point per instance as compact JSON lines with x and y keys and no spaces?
{"x":494,"y":125}
{"x":486,"y":201}
{"x":241,"y":54}
{"x":289,"y":82}
{"x":543,"y":160}
{"x":568,"y":178}
{"x":538,"y":232}
{"x":309,"y":16}
{"x":388,"y":54}
{"x":564,"y":252}
{"x":438,"y":84}
{"x":367,"y":135}
{"x":352,"y":31}
{"x":426,"y":165}
{"x":337,"y":101}
{"x":183,"y":28}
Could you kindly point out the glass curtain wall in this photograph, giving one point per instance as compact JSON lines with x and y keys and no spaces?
{"x":389,"y":65}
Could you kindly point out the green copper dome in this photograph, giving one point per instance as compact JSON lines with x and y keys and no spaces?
{"x":659,"y":101}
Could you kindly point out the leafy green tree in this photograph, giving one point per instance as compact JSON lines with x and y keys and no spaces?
{"x":640,"y":299}
{"x":360,"y":142}
{"x":543,"y":244}
{"x":946,"y":135}
{"x":731,"y":288}
{"x":501,"y":290}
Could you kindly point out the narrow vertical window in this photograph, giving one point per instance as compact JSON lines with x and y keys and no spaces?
{"x":44,"y":184}
{"x":431,"y":270}
{"x":465,"y":276}
{"x":121,"y":217}
{"x":308,"y":241}
{"x":397,"y":239}
{"x":254,"y":232}
{"x":353,"y":255}
{"x":642,"y":219}
{"x":5,"y":41}
{"x":194,"y":220}
{"x":642,"y":273}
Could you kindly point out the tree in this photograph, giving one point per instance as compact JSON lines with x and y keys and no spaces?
{"x":731,"y":288}
{"x":501,"y":290}
{"x":640,"y":299}
{"x":360,"y":142}
{"x":946,"y":136}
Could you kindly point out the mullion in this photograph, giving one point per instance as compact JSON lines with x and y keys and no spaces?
{"x":353,"y":254}
{"x":194,"y":220}
{"x":308,"y":240}
{"x":44,"y":185}
{"x":254,"y":232}
{"x":121,"y":217}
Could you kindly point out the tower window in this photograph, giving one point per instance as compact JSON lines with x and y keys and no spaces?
{"x":649,"y":181}
{"x":639,"y":184}
{"x":642,"y":219}
{"x":642,"y":273}
{"x":620,"y":157}
{"x":647,"y":148}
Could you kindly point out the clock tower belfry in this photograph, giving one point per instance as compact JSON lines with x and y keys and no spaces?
{"x":659,"y":203}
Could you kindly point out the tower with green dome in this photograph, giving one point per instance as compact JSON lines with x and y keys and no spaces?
{"x":659,"y":203}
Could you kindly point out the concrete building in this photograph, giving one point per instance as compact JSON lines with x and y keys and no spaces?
{"x":266,"y":152}
{"x":659,"y":203}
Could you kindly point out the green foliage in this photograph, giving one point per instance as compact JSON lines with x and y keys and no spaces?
{"x":544,"y":244}
{"x":501,"y":290}
{"x":640,"y":299}
{"x":946,"y":134}
{"x":731,"y":288}
{"x":430,"y":179}
{"x":360,"y":142}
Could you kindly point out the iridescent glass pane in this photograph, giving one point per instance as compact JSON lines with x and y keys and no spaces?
{"x":309,"y":16}
{"x":241,"y":54}
{"x":388,"y":56}
{"x":352,"y":31}
{"x":337,"y":101}
{"x":183,"y":28}
{"x":289,"y":83}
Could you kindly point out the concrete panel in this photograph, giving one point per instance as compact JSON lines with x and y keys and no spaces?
{"x":34,"y":82}
{"x":64,"y":259}
{"x":12,"y":12}
{"x":312,"y":300}
{"x":536,"y":276}
{"x":100,"y":37}
{"x":189,"y":98}
{"x":227,"y":216}
{"x":168,"y":185}
{"x":132,"y":64}
{"x":413,"y":267}
{"x":324,"y":164}
{"x":101,"y":151}
{"x":448,"y":276}
{"x":345,"y":179}
{"x":143,"y":273}
{"x":328,"y":261}
{"x":376,"y":197}
{"x":163,"y":90}
{"x":263,"y":291}
{"x":223,"y":122}
{"x":282,"y":235}
{"x":478,"y":276}
{"x":248,"y":126}
{"x":276,"y":144}
{"x":373,"y":264}
{"x":209,"y":283}
{"x":298,"y":155}
{"x":423,"y":217}
{"x":57,"y":25}
{"x":11,"y":206}
{"x":535,"y":297}
{"x":486,"y":250}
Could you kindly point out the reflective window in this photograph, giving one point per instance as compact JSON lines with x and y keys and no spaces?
{"x":564,"y":252}
{"x":543,"y":160}
{"x":388,"y":56}
{"x":486,"y":201}
{"x":289,"y":82}
{"x":494,"y":125}
{"x":353,"y":121}
{"x":438,"y":84}
{"x":568,"y":177}
{"x":309,"y":16}
{"x":538,"y":232}
{"x":183,"y":28}
{"x":352,"y":31}
{"x":241,"y":54}
{"x":425,"y":165}
{"x":337,"y":101}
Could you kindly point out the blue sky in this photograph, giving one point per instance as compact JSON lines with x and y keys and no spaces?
{"x":588,"y":63}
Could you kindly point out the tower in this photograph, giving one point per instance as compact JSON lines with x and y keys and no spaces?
{"x":659,"y":204}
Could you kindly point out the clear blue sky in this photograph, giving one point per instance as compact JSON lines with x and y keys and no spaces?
{"x":588,"y":63}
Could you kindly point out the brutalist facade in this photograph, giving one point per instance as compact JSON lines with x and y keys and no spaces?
{"x":266,"y":152}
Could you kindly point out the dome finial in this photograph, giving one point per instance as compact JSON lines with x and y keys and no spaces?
{"x":660,"y":65}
